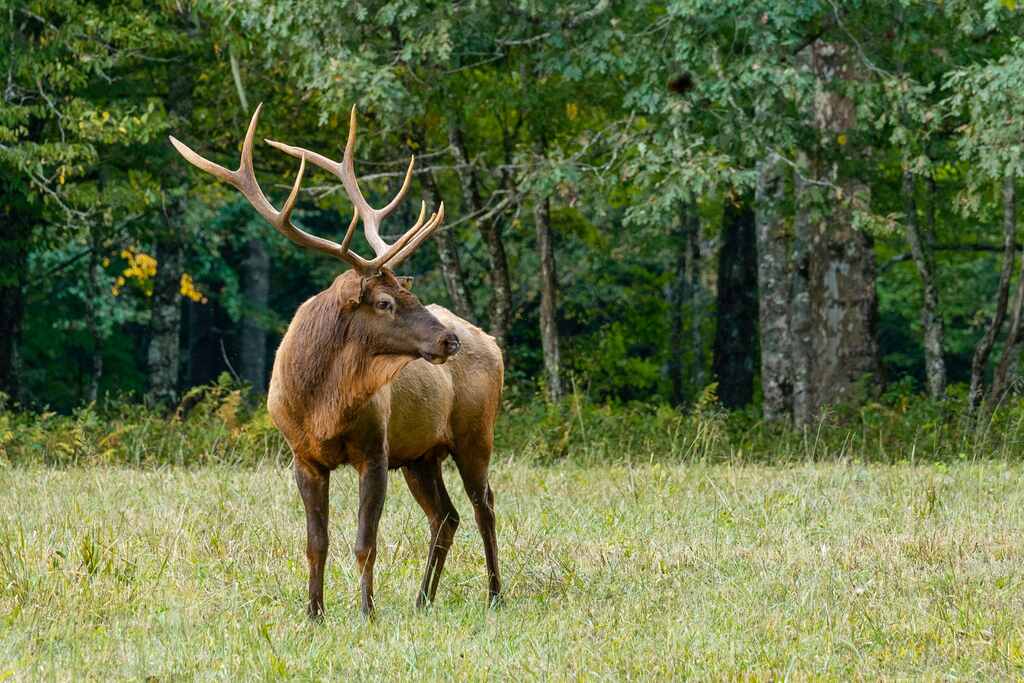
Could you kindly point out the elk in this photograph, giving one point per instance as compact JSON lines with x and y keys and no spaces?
{"x":367,"y":376}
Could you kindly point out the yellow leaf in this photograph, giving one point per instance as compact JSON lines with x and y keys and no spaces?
{"x":841,"y":138}
{"x":572,"y":111}
{"x":105,"y":116}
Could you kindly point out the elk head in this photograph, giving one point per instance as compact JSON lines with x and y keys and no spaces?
{"x":391,"y":319}
{"x":386,"y":316}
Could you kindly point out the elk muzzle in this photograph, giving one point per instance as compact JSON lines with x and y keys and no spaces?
{"x":446,"y":346}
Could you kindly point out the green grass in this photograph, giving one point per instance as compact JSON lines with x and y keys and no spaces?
{"x":843,"y":570}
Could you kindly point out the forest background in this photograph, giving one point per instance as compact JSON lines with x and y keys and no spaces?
{"x":787,"y":208}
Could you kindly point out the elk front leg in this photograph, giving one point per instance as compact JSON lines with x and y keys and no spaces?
{"x":313,"y":483}
{"x":373,"y":483}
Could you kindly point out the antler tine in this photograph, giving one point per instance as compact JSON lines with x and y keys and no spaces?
{"x":404,"y":239}
{"x":371,"y":216}
{"x":345,"y":171}
{"x":385,"y":254}
{"x":244,"y":180}
{"x":350,"y":232}
{"x":393,"y":204}
{"x":432,"y":225}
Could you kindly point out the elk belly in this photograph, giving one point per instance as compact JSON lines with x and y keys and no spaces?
{"x":422,"y":396}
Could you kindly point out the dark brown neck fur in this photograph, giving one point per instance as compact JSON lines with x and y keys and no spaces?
{"x":327,"y":359}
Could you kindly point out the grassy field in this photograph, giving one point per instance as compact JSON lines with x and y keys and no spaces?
{"x":653,"y":571}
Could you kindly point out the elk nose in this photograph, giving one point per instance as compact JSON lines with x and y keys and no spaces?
{"x":451,"y":344}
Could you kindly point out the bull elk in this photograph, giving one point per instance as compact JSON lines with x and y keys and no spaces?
{"x":369,"y":377}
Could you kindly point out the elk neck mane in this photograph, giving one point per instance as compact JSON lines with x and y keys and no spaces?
{"x":330,"y":359}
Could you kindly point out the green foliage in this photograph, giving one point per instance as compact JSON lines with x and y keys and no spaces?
{"x":216,"y":424}
{"x":565,"y":100}
{"x":217,"y":427}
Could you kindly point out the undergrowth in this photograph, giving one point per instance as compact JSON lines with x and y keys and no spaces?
{"x":221,"y":424}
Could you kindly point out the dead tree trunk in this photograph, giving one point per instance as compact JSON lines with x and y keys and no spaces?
{"x":256,"y":291}
{"x":255,"y":281}
{"x":1011,"y":351}
{"x":984,"y":348}
{"x":736,"y":330}
{"x":548,"y":299}
{"x":773,"y":291}
{"x":935,"y":365}
{"x":448,"y":254}
{"x":451,"y":271}
{"x":501,"y":285}
{"x":165,"y":317}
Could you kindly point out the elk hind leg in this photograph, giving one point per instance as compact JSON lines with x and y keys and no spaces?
{"x":472,"y":461}
{"x":426,"y":484}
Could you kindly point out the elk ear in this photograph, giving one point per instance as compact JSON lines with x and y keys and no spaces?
{"x":351,"y":291}
{"x":405,"y":281}
{"x":363,"y":281}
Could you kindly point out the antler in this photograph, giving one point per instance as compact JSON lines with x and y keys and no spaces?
{"x":244,"y":180}
{"x":391,"y":255}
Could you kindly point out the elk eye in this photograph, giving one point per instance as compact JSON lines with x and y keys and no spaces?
{"x":384,"y":305}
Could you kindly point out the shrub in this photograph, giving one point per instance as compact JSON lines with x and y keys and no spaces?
{"x":217,"y":425}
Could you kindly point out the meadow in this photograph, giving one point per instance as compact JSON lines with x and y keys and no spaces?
{"x":841,"y":569}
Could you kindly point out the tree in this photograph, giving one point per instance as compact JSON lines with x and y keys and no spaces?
{"x":81,"y":105}
{"x":735,"y":349}
{"x":773,"y":289}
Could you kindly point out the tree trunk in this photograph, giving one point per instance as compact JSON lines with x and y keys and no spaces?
{"x":165,"y":320}
{"x":773,"y":290}
{"x":843,"y":309}
{"x":841,"y":274}
{"x":501,"y":286}
{"x":548,"y":299}
{"x":935,"y":366}
{"x":255,"y":280}
{"x":1011,"y":351}
{"x":686,"y":303}
{"x":13,"y":278}
{"x":256,"y":291}
{"x":678,"y":295}
{"x":490,"y":229}
{"x":697,"y":303}
{"x":92,"y":325}
{"x":454,"y":279}
{"x":984,"y":348}
{"x":736,"y":331}
{"x":802,"y":357}
{"x":447,"y":251}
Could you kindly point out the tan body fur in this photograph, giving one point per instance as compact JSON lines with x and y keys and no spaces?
{"x":367,"y":376}
{"x":323,"y":399}
{"x":341,"y":393}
